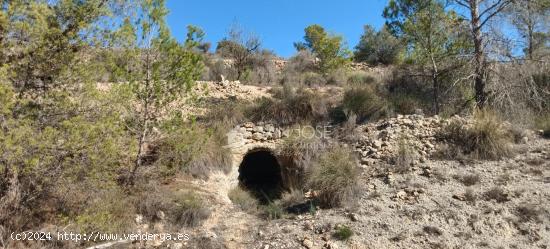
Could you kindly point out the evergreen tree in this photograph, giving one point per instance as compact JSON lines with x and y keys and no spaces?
{"x":328,"y":48}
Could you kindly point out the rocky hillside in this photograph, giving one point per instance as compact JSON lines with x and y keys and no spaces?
{"x":419,"y":198}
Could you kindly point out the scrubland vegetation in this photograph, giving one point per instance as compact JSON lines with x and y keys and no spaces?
{"x":91,"y":100}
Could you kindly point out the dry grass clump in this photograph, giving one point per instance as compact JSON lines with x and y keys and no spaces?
{"x":290,"y":106}
{"x":486,"y":138}
{"x":334,"y":177}
{"x":273,"y":210}
{"x":363,"y":102}
{"x":243,"y":199}
{"x":179,"y":208}
{"x":404,"y":158}
{"x":530,"y":212}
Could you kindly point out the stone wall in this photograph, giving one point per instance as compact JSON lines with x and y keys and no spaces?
{"x":251,"y":133}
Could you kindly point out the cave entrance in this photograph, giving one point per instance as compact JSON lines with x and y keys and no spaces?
{"x":260,"y":173}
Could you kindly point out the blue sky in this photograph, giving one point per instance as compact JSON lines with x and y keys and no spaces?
{"x":278,"y":23}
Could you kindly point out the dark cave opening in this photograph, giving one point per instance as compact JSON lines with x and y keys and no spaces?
{"x":260,"y":173}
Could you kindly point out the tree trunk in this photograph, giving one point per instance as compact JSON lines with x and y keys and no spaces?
{"x":530,"y":31}
{"x":435,"y":81}
{"x":435,"y":93}
{"x":479,"y":57}
{"x":145,"y":121}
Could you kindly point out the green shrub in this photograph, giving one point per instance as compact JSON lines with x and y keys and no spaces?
{"x":363,"y":102}
{"x":328,"y":48}
{"x":334,"y":177}
{"x":486,"y":138}
{"x":273,"y":210}
{"x":243,"y":199}
{"x":343,"y":233}
{"x":378,"y":47}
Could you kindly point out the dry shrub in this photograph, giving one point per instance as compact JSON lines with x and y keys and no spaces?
{"x":206,"y":243}
{"x":226,"y":114}
{"x":530,"y":212}
{"x":262,"y":69}
{"x":431,"y":230}
{"x":364,"y":103}
{"x":196,"y":150}
{"x":407,"y":91}
{"x":543,"y":123}
{"x":470,"y":179}
{"x":303,"y":61}
{"x":404,"y":157}
{"x":111,"y":212}
{"x":297,"y":154}
{"x":181,"y":208}
{"x":337,"y":77}
{"x":470,"y":196}
{"x":312,"y":79}
{"x":187,"y":209}
{"x":297,"y":67}
{"x":347,"y":131}
{"x":334,"y":176}
{"x":151,"y":203}
{"x":292,"y":198}
{"x":405,"y":103}
{"x":243,"y":199}
{"x":215,"y":67}
{"x":360,"y":78}
{"x":520,"y":89}
{"x":498,"y":194}
{"x":486,"y":138}
{"x":290,"y":106}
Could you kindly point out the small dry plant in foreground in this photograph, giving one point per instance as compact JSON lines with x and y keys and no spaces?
{"x":334,"y":175}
